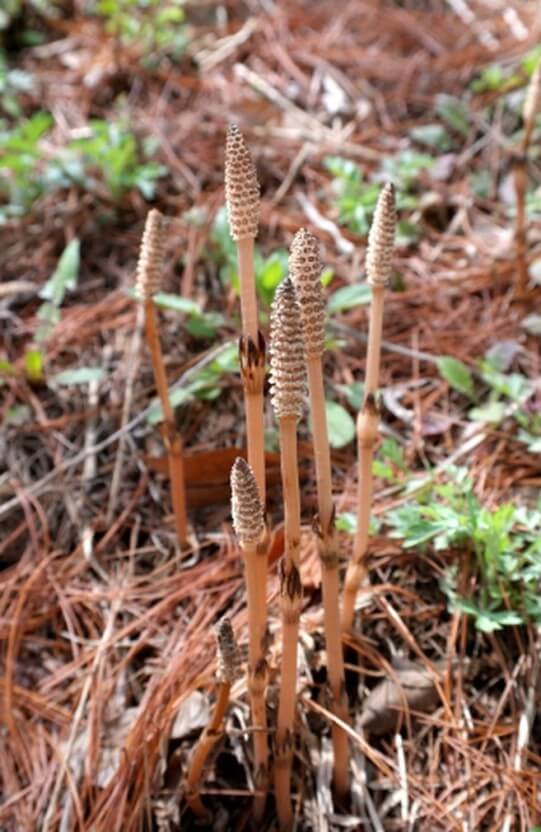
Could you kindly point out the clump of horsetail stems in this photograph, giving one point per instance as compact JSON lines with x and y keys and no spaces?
{"x":287,"y":374}
{"x":242,"y":199}
{"x":531,"y":107}
{"x":249,"y":524}
{"x":227,"y":672}
{"x":305,"y":269}
{"x":378,"y":268}
{"x":148,"y":281}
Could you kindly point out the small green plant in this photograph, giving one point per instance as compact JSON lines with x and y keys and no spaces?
{"x":206,"y":385}
{"x":63,"y":280}
{"x":356,"y":197}
{"x":151,"y":25}
{"x":13,"y":82}
{"x":269,"y":271}
{"x":502,"y":394}
{"x":111,"y":149}
{"x":505,"y":541}
{"x":22,"y":177}
{"x":12,"y":9}
{"x":109,"y":154}
{"x":390,"y":464}
{"x":198,"y":323}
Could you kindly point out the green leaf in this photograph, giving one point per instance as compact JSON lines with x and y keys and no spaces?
{"x":492,"y":412}
{"x":79,"y":375}
{"x":348,"y":297}
{"x":456,"y":374}
{"x":6,"y":368}
{"x":491,"y":78}
{"x":64,"y":277}
{"x":204,"y":325}
{"x":177,"y":303}
{"x":33,"y":365}
{"x":340,"y":425}
{"x":432,"y":135}
{"x":346,"y":522}
{"x":354,"y":394}
{"x":454,"y":111}
{"x":18,"y":415}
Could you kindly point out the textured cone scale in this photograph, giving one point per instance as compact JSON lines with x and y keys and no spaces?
{"x":532,"y":102}
{"x":305,"y":270}
{"x":381,"y":239}
{"x":246,"y":507}
{"x":287,"y":355}
{"x":241,"y":187}
{"x":149,"y":265}
{"x":228,"y":652}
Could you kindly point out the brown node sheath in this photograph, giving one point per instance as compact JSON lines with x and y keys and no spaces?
{"x":227,"y":673}
{"x":305,"y":268}
{"x":378,"y":268}
{"x":147,"y":284}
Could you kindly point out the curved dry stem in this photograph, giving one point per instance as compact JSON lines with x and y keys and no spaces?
{"x":202,"y":750}
{"x":173,"y":440}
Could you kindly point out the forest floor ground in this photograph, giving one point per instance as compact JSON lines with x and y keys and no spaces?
{"x":106,"y":629}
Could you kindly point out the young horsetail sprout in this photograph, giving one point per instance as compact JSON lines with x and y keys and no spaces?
{"x":305,"y":269}
{"x":288,"y":375}
{"x":147,"y":283}
{"x":531,"y":107}
{"x":242,"y":200}
{"x":228,"y":671}
{"x":378,"y":268}
{"x":249,"y":525}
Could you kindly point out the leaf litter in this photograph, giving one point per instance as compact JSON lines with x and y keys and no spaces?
{"x":354,"y":81}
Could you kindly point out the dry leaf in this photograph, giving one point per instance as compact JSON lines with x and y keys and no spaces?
{"x":412,"y":686}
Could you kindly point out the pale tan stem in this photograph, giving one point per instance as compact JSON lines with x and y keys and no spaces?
{"x":255,"y":436}
{"x":248,"y":299}
{"x":322,"y":453}
{"x":153,"y":342}
{"x":290,"y":486}
{"x":367,"y":426}
{"x":291,"y":598}
{"x":329,"y":572}
{"x":374,"y":340}
{"x":286,"y":721}
{"x":255,"y":567}
{"x":173,"y":440}
{"x":202,"y":750}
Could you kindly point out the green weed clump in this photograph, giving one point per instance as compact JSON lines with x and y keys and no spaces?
{"x":504,"y":541}
{"x":108,"y":161}
{"x":151,"y":26}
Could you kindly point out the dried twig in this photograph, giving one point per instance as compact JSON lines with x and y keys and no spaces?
{"x":148,"y":283}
